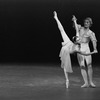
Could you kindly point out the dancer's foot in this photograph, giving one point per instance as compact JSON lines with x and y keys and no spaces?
{"x":85,"y":85}
{"x":67,"y":83}
{"x":92,"y":85}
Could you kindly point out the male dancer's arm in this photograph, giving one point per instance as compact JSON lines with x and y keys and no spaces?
{"x":95,"y":46}
{"x":94,"y":41}
{"x":76,"y":25}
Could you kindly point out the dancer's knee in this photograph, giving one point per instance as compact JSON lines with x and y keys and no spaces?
{"x":82,"y":67}
{"x":89,"y":65}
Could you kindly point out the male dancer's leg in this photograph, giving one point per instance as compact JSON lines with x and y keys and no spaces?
{"x":81,"y":61}
{"x":90,"y":70}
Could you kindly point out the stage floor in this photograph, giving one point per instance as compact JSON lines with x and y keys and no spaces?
{"x":44,"y":82}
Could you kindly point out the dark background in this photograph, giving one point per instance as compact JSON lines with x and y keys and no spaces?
{"x":29,"y":34}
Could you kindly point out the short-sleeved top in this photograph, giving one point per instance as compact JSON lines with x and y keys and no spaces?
{"x":86,"y":36}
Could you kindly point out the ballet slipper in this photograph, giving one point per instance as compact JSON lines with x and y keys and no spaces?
{"x":85,"y":85}
{"x":92,"y":85}
{"x":67,"y":83}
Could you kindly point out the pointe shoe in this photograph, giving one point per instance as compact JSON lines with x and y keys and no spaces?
{"x":92,"y":85}
{"x":67,"y":83}
{"x":85,"y":86}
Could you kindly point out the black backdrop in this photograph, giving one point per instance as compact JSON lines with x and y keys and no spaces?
{"x":28,"y":32}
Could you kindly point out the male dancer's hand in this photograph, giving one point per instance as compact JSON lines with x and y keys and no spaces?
{"x":95,"y":51}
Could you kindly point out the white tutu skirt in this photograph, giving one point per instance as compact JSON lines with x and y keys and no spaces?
{"x":65,"y":52}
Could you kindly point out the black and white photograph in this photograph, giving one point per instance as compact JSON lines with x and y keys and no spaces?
{"x":49,"y":49}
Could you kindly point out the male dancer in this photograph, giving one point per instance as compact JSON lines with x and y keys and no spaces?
{"x":68,"y":47}
{"x":85,"y":35}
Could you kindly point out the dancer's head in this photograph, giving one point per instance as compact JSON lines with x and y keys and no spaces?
{"x":76,"y":39}
{"x":88,"y":22}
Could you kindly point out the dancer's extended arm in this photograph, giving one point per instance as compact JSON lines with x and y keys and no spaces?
{"x":86,"y":54}
{"x":76,"y":25}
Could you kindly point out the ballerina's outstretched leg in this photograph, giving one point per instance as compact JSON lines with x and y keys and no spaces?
{"x":62,"y":31}
{"x":65,"y":52}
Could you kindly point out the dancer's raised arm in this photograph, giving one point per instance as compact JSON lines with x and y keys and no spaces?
{"x":62,"y":31}
{"x":76,"y":25}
